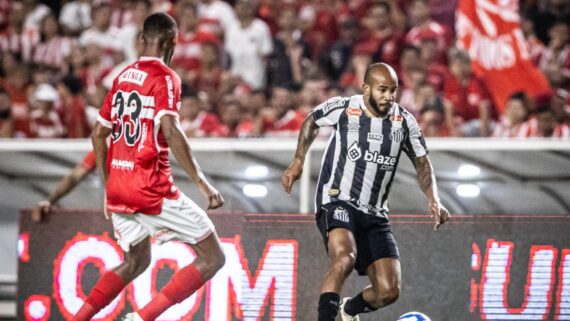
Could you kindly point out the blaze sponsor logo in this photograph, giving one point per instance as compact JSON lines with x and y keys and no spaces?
{"x":122,"y":164}
{"x":134,"y":76}
{"x":375,"y":138}
{"x":387,"y":162}
{"x":356,"y":112}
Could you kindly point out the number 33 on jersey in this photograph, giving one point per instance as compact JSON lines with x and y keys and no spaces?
{"x":141,"y":95}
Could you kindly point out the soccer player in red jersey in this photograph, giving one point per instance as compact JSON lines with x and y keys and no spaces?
{"x":140,"y":114}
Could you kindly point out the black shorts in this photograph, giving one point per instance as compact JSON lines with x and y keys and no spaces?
{"x":373,"y":234}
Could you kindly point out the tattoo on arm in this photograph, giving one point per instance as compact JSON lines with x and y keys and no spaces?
{"x":426,"y":177}
{"x":309,"y":131}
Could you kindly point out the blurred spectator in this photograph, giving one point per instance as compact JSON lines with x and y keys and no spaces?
{"x":381,"y":40}
{"x":546,"y":125}
{"x":410,"y":96}
{"x":291,"y":55}
{"x":248,"y":43}
{"x":195,"y":121}
{"x":431,"y":57}
{"x":6,"y":123}
{"x":409,"y":59}
{"x":338,"y":58}
{"x":423,"y":25}
{"x":15,"y":39}
{"x":513,"y":123}
{"x":432,"y":118}
{"x":555,"y":59}
{"x":73,"y":107}
{"x":129,"y":33}
{"x":318,"y":19}
{"x":467,"y":103}
{"x":53,"y":48}
{"x":35,"y":13}
{"x":44,"y":120}
{"x":75,"y":17}
{"x":535,"y":45}
{"x":560,"y":105}
{"x":217,"y":16}
{"x":92,"y":74}
{"x":210,"y":77}
{"x":103,"y":35}
{"x":233,"y":123}
{"x":547,"y":12}
{"x":189,"y":51}
{"x":281,"y":118}
{"x":16,"y":85}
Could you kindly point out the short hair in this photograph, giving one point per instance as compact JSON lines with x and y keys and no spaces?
{"x":371,"y":68}
{"x":159,"y":25}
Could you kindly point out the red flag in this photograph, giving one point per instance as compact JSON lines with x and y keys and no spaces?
{"x":489,"y":30}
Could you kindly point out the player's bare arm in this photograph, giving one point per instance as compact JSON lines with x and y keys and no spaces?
{"x":180,"y":147}
{"x":426,"y":179}
{"x":307,"y":135}
{"x":43,"y":208}
{"x":99,"y":140}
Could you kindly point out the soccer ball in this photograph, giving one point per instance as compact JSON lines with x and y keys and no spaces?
{"x":414,"y":316}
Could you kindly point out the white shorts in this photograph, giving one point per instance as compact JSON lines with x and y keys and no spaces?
{"x":180,"y":219}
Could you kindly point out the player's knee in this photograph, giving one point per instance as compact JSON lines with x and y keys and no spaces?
{"x":213,"y":263}
{"x":386,"y":296}
{"x":137,"y":264}
{"x":343,"y":262}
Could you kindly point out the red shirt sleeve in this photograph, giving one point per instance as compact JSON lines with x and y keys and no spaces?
{"x":88,"y":161}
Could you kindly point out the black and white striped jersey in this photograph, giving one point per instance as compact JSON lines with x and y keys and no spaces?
{"x":363,"y":151}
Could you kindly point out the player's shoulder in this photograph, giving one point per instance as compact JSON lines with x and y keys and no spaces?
{"x":406,"y":115}
{"x":333,"y":103}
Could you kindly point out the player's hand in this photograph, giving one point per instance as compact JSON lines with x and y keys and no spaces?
{"x":439,"y":214}
{"x":42,"y":209}
{"x":291,"y":174}
{"x":215,"y":199}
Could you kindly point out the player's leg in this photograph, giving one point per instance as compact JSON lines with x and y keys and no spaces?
{"x":385,"y":278}
{"x":113,"y":282}
{"x":379,"y":259}
{"x":336,"y":224}
{"x":209,"y":259}
{"x":183,"y":220}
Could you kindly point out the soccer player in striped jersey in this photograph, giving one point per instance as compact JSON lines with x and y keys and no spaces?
{"x":357,"y":172}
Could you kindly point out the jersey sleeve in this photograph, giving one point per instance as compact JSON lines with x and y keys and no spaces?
{"x":328,"y":113}
{"x":415,"y":144}
{"x":104,"y":116}
{"x":167,"y":96}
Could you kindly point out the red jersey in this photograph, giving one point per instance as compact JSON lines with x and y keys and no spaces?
{"x":140,"y":176}
{"x":465,"y":99}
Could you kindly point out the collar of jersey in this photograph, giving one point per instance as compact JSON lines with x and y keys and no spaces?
{"x":369,"y":113}
{"x":149,"y":58}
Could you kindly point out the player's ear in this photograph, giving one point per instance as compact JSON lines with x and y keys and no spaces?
{"x":366,"y":88}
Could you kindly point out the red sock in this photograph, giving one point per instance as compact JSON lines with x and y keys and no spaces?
{"x":184,"y":282}
{"x":106,"y":289}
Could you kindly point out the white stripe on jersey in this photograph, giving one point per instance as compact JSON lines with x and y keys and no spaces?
{"x":376,"y":127}
{"x":349,"y":166}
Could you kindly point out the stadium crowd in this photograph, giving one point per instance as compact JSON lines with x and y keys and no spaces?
{"x":256,"y":68}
